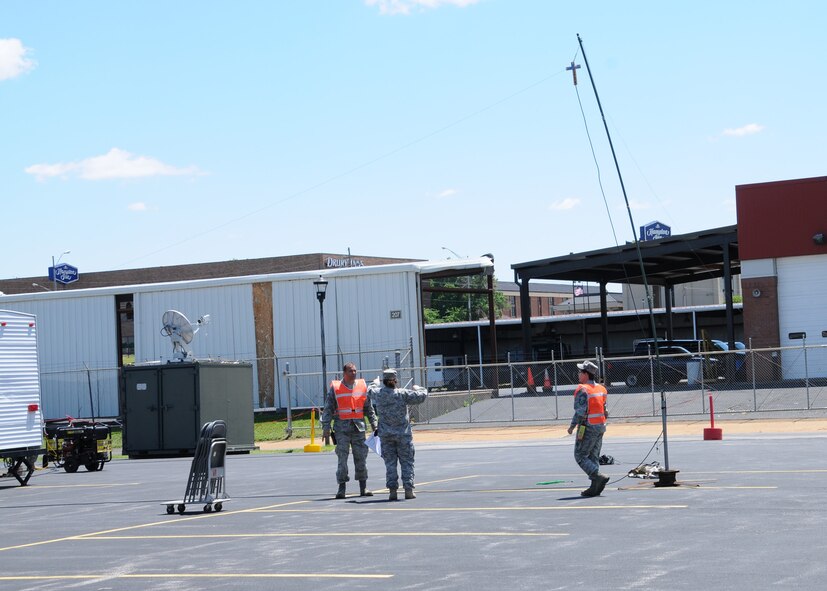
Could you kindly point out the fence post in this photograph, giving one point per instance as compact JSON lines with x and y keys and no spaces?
{"x":510,"y":375}
{"x":652,"y":381}
{"x":289,"y":402}
{"x":554,"y":366}
{"x":752,"y":364}
{"x":806,"y":371}
{"x":468,"y":384}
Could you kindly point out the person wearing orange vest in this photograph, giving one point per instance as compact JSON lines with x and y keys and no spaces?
{"x":590,"y":421}
{"x":347,"y":405}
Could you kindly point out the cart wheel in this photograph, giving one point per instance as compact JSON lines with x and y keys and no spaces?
{"x":91,"y":466}
{"x":71,"y":465}
{"x":170,"y":509}
{"x":219,"y":506}
{"x":182,"y":508}
{"x":207,"y":508}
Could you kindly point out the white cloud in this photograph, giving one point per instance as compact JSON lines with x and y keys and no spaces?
{"x":137,"y":206}
{"x":406,"y":6}
{"x":13,"y":59}
{"x":447,"y":193}
{"x":749,"y":129}
{"x":566,"y":204}
{"x":115,"y":164}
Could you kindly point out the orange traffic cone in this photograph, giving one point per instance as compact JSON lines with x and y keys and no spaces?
{"x":546,"y":381}
{"x":530,"y":381}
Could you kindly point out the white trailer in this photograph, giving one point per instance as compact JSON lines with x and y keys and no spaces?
{"x":21,"y":431}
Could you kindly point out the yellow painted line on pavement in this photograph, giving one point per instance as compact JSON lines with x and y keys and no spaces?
{"x":413,"y":534}
{"x":141,"y":525}
{"x":174,"y":576}
{"x":803,"y":471}
{"x":448,"y":480}
{"x":420,"y":484}
{"x":705,"y":487}
{"x":42,"y":486}
{"x":499,"y":508}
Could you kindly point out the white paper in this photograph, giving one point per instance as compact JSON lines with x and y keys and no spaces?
{"x":375,"y":444}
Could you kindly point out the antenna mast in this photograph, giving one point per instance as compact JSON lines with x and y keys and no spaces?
{"x":670,"y":474}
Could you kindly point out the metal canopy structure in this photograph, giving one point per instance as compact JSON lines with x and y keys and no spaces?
{"x":484,"y":265}
{"x":667,"y":262}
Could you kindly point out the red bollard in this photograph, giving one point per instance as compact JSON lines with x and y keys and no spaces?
{"x":711,"y":433}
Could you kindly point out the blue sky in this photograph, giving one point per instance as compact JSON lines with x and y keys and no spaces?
{"x":139,"y":134}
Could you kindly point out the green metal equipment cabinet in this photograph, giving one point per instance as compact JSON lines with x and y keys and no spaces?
{"x":164,"y":406}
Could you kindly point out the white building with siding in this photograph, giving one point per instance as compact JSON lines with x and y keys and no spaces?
{"x":268,"y":320}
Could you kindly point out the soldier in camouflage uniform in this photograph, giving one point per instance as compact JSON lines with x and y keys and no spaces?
{"x":395,"y":430}
{"x":590,"y":421}
{"x":347,"y":401}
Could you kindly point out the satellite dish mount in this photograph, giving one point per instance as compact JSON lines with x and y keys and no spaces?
{"x":181,"y":332}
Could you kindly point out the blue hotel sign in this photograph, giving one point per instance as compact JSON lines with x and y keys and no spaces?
{"x":63,"y":273}
{"x":654,"y":231}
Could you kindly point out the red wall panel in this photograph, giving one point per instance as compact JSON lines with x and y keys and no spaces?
{"x":779,"y":219}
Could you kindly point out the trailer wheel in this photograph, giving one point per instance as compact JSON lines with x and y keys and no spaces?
{"x":181,"y":508}
{"x":91,"y":466}
{"x":170,"y":509}
{"x":71,"y":465}
{"x":207,"y":508}
{"x":631,"y":380}
{"x":218,"y":506}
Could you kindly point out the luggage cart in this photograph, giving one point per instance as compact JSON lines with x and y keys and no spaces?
{"x":206,"y":480}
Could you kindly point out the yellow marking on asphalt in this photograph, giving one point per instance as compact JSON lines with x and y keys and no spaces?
{"x":338,"y":534}
{"x":420,"y":484}
{"x":196,"y":576}
{"x":499,"y":508}
{"x":535,"y":489}
{"x":141,"y":525}
{"x":705,"y":487}
{"x":40,"y":487}
{"x":448,"y":480}
{"x":804,"y":471}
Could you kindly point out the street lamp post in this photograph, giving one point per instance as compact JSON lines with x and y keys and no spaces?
{"x":321,"y":290}
{"x":44,"y":288}
{"x":54,"y":275}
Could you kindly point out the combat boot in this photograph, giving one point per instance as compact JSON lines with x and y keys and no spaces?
{"x":341,"y":493}
{"x":363,"y":489}
{"x":592,"y":490}
{"x":392,"y":494}
{"x":601,"y":481}
{"x":409,"y":493}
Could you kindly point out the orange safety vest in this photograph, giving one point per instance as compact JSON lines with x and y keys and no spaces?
{"x":351,"y":403}
{"x":596,"y":411}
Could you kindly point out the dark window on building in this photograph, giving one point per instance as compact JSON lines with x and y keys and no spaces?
{"x":125,"y":322}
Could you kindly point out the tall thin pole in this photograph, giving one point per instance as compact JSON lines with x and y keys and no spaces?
{"x":639,"y":256}
{"x":324,"y":356}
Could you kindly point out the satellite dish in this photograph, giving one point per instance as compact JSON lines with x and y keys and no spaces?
{"x":181,"y":332}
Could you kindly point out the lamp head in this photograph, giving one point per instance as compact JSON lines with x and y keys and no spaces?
{"x":321,"y":288}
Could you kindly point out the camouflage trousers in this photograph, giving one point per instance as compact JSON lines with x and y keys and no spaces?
{"x":345,"y":441}
{"x":587,"y":450}
{"x":398,"y":448}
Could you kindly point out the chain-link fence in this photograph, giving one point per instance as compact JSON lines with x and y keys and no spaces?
{"x":757,"y":380}
{"x":741,"y":381}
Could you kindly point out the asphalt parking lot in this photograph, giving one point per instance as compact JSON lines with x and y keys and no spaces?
{"x":748,"y":514}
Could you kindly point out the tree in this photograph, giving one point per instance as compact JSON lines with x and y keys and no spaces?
{"x":458,"y":306}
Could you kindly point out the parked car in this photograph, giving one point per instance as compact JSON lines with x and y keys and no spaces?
{"x":673,"y":366}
